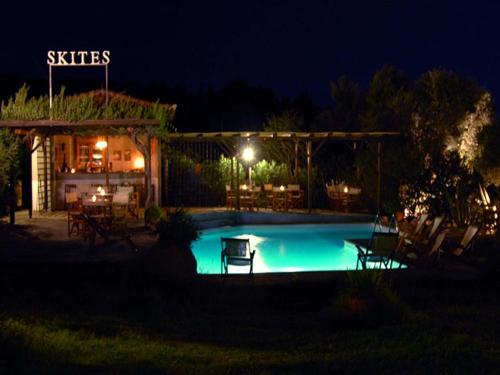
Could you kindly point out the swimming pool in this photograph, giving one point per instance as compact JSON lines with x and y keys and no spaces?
{"x":285,"y":248}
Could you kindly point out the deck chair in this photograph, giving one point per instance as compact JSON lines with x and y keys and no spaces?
{"x":381,"y":250}
{"x":427,"y":237}
{"x":236,"y":252}
{"x":412,"y":236}
{"x":466,"y":242}
{"x":419,"y":254}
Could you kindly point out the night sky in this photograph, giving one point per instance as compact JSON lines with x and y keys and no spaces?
{"x":288,"y":46}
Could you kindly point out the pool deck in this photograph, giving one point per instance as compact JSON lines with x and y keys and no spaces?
{"x":44,"y":239}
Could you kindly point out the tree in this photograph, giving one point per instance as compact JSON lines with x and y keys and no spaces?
{"x":389,"y":107}
{"x":348,"y":105}
{"x":284,"y":152}
{"x":451,"y":114}
{"x":10,"y":171}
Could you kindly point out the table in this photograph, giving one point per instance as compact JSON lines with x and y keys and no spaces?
{"x":249,"y":199}
{"x":100,"y":211}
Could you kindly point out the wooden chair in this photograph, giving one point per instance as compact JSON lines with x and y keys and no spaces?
{"x":255,"y":197}
{"x":268,"y":195}
{"x":133,"y":203}
{"x":236,"y":252}
{"x":69,"y":188}
{"x":230,"y":197}
{"x":424,"y":254}
{"x":280,"y":201}
{"x":120,"y":212}
{"x":74,"y":207}
{"x":295,"y":196}
{"x":465,"y":243}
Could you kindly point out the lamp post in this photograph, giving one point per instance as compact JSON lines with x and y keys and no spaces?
{"x":248,"y":155}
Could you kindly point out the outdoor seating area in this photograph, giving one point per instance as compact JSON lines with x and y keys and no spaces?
{"x":278,"y":198}
{"x":343,"y":198}
{"x":419,"y":243}
{"x":110,"y":207}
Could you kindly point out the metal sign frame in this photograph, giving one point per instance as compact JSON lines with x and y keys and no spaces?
{"x":83,"y":64}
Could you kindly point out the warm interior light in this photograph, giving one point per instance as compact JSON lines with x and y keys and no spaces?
{"x":244,"y":186}
{"x":139,"y":163}
{"x":346,"y":190}
{"x":101,"y":145}
{"x":248,"y":154}
{"x":282,"y":188}
{"x":73,"y":170}
{"x":94,"y":198}
{"x":99,"y":189}
{"x":103,"y":191}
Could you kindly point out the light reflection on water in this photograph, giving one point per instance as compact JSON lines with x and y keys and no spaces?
{"x":285,"y":248}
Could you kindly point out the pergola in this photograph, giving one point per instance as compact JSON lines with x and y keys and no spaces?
{"x":292,"y":141}
{"x":134,"y":128}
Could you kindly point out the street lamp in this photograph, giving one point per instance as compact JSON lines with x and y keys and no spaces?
{"x":248,"y":155}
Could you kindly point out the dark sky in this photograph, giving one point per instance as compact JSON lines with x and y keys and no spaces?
{"x":288,"y":46}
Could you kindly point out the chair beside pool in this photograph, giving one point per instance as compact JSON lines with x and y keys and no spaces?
{"x":381,"y":249}
{"x":236,"y":252}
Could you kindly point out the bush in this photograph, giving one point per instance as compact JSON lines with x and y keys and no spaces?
{"x":367,"y":301}
{"x":178,"y":229}
{"x":153,"y":214}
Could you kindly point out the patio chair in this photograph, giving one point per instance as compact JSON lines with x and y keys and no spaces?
{"x":69,"y":188}
{"x":230,"y":197}
{"x":412,"y":234}
{"x":133,"y":202}
{"x":74,"y":207}
{"x":433,"y":229}
{"x":465,"y":243}
{"x":120,"y":212}
{"x":419,"y":254}
{"x":381,"y":250}
{"x":255,"y":197}
{"x":236,"y":252}
{"x":295,"y":196}
{"x":268,"y":195}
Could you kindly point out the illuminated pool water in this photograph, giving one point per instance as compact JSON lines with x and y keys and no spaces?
{"x":285,"y":248}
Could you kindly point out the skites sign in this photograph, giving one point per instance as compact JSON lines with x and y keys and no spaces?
{"x":78,"y":58}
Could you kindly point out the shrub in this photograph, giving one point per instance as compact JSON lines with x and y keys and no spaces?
{"x":177,"y":229}
{"x":153,"y":214}
{"x":366,"y":301}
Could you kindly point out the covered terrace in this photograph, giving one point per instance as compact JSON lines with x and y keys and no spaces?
{"x":294,"y":144}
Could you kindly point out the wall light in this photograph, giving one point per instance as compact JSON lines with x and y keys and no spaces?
{"x":139,"y":163}
{"x":101,"y":144}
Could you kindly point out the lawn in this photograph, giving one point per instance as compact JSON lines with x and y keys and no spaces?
{"x":119,"y":318}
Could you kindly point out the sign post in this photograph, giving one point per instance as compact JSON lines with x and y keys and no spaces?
{"x":78,"y":59}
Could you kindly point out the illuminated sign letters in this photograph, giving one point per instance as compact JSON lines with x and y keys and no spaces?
{"x":78,"y":58}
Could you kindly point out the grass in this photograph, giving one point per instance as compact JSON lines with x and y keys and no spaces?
{"x":117,"y":318}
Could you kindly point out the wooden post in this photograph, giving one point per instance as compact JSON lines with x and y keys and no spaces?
{"x":379,"y":146}
{"x":237,"y":184}
{"x":106,"y":161}
{"x":147,"y":170}
{"x":296,"y":167}
{"x":12,"y":199}
{"x":29,"y":186}
{"x":309,"y":157}
{"x":45,"y":174}
{"x":232,"y":174}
